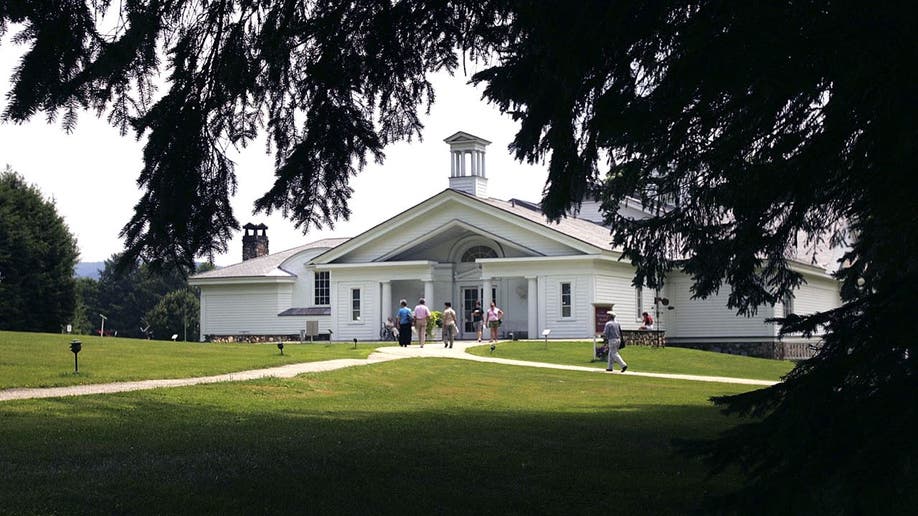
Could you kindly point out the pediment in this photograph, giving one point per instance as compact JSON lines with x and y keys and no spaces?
{"x":450,"y":215}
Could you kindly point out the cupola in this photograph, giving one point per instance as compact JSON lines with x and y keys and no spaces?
{"x":467,"y":164}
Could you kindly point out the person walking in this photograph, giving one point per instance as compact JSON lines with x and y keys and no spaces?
{"x":477,"y":317}
{"x":449,"y":325}
{"x":421,"y":314}
{"x":404,"y":324}
{"x":493,"y":318}
{"x":612,"y":331}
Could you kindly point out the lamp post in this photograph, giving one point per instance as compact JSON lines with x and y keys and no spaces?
{"x":75,"y":347}
{"x":280,"y":346}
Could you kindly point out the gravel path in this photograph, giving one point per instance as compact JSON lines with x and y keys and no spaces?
{"x":383,"y":354}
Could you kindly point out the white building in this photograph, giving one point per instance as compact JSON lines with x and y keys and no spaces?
{"x":462,"y":246}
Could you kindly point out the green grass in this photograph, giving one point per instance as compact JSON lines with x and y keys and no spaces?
{"x":45,"y":360}
{"x":416,"y":436}
{"x":645,"y":359}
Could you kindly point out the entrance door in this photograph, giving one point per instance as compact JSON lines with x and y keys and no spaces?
{"x":470,"y":295}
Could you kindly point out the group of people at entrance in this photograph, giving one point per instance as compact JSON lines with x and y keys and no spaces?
{"x":492,"y":318}
{"x":419,"y":318}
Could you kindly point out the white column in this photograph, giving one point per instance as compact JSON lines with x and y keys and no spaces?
{"x":452,"y":164}
{"x":474,"y":163}
{"x":202,"y":322}
{"x":461,"y":163}
{"x":532,"y":303}
{"x":428,"y":294}
{"x":483,"y":164}
{"x":486,"y":294}
{"x":386,"y":300}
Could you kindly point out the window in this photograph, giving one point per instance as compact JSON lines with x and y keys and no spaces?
{"x":355,"y":304}
{"x":565,"y":300}
{"x":478,"y":251}
{"x":323,"y":289}
{"x":639,"y":304}
{"x":788,"y":302}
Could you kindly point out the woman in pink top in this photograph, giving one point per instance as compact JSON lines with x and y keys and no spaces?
{"x":421,"y":313}
{"x":493,"y":318}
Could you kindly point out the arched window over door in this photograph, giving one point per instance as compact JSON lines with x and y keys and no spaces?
{"x":479,"y":251}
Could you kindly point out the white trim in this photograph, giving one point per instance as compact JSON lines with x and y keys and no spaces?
{"x":381,"y":265}
{"x":552,"y":259}
{"x":315,"y":287}
{"x":454,"y":223}
{"x":806,"y":268}
{"x":570,"y":294}
{"x":359,"y":304}
{"x":395,"y":223}
{"x":242,"y":280}
{"x":639,"y":304}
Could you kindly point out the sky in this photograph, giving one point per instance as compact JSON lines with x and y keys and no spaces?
{"x":91,"y":174}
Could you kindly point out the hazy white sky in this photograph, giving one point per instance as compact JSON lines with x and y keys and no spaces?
{"x":91,"y":174}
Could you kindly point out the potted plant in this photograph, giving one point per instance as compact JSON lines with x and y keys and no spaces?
{"x":436,"y":319}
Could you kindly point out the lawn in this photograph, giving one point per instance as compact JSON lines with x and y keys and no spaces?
{"x":416,"y":436}
{"x":645,"y":359}
{"x":45,"y":360}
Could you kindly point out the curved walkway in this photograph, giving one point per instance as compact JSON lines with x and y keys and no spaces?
{"x":383,"y":354}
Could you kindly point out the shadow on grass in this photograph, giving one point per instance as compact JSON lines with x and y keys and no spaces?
{"x":318,"y":446}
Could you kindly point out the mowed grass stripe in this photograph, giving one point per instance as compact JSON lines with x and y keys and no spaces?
{"x":645,"y":359}
{"x":45,"y":360}
{"x":411,"y":436}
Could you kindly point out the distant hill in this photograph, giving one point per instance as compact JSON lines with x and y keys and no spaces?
{"x":88,"y":269}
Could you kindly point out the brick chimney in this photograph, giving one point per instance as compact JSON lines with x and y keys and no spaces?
{"x":254,"y":241}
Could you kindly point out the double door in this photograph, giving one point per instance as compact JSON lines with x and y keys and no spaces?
{"x":471,"y":296}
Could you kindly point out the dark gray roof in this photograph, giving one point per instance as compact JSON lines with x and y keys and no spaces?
{"x":308,"y":310}
{"x":268,"y":265}
{"x":583,"y":230}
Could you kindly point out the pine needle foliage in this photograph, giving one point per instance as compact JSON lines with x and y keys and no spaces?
{"x":752,"y":129}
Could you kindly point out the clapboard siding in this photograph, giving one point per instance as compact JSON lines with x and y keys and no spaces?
{"x":425,"y":226}
{"x":253,"y":309}
{"x":580,"y":322}
{"x":367,"y":328}
{"x":817,"y":295}
{"x":617,"y":289}
{"x":298,"y":264}
{"x":710,"y":317}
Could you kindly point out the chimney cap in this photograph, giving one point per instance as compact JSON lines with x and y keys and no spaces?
{"x":254,"y":226}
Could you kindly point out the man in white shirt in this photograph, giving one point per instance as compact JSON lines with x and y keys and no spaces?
{"x":421,"y":313}
{"x":612,"y":331}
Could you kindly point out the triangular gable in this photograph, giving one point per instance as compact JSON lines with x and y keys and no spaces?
{"x":463,"y":137}
{"x":415,"y":214}
{"x":456,"y":223}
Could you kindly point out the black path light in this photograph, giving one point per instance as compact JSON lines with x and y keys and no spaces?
{"x":280,"y":346}
{"x":355,"y":342}
{"x":75,"y":347}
